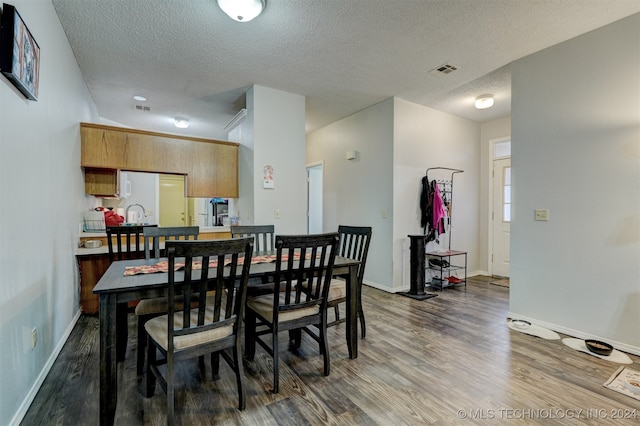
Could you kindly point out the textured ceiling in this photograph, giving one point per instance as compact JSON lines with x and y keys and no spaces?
{"x":191,"y":60}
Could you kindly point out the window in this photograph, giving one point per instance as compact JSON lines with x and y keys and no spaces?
{"x":506,"y":192}
{"x":502,"y":149}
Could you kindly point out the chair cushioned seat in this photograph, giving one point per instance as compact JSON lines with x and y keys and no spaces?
{"x":158,"y":305}
{"x":337,"y":289}
{"x":263,"y":305}
{"x":157,"y":329}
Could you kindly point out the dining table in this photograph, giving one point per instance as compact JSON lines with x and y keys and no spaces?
{"x":118,"y":286}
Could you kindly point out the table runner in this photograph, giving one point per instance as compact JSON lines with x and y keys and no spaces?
{"x":163,"y":266}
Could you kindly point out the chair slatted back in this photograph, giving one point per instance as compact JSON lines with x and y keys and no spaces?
{"x":354,"y":244}
{"x":128,"y":233}
{"x":263,"y":235}
{"x":152,"y":237}
{"x":304,"y":265}
{"x":228,"y":278}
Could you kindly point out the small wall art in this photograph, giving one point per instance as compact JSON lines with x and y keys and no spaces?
{"x":267,"y":180}
{"x":19,"y":53}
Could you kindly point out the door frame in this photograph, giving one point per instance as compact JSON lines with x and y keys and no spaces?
{"x":314,"y":165}
{"x":492,"y":143}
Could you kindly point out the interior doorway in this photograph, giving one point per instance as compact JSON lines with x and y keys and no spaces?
{"x":314,"y":198}
{"x":500,"y":226}
{"x":172,"y":202}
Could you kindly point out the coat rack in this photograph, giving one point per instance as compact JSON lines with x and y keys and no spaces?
{"x":447,"y":189}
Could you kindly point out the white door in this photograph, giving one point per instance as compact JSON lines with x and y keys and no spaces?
{"x":314,"y":199}
{"x":501,"y":217}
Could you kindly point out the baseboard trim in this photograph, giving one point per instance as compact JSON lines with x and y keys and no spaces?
{"x":31,"y":395}
{"x":578,"y":334}
{"x":406,"y":288}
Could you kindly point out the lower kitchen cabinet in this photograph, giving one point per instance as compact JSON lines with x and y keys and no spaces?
{"x":91,"y":267}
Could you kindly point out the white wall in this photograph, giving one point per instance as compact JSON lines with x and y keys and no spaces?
{"x":425,"y":138}
{"x":41,"y":188}
{"x":279,"y":140}
{"x":144,"y":191}
{"x":243,"y":206}
{"x":576,"y":152}
{"x":357,"y":191}
{"x":489,"y":131}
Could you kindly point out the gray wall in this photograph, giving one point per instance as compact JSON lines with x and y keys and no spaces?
{"x":396,"y":142}
{"x":576,"y":152}
{"x":41,"y":188}
{"x":357,"y":191}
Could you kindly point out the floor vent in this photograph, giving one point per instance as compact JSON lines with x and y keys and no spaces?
{"x":444,"y":69}
{"x":143,"y":108}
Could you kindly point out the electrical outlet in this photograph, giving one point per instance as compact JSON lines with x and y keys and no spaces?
{"x":276,"y":214}
{"x":384,"y":214}
{"x":542,"y":214}
{"x":34,"y":337}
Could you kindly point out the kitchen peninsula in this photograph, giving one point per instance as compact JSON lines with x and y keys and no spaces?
{"x":93,"y":262}
{"x":209,"y":167}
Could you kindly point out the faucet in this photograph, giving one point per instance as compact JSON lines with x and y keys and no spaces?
{"x":126,"y":212}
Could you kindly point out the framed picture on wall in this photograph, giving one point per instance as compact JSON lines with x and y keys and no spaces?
{"x":19,"y":53}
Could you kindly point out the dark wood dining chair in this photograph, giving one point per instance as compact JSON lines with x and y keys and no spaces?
{"x":150,"y":308}
{"x":210,"y":326}
{"x":354,"y":244}
{"x":302,"y":301}
{"x":153,"y":237}
{"x":263,"y":235}
{"x":127,"y":243}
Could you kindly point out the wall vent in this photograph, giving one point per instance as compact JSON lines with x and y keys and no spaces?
{"x":444,"y":69}
{"x":143,"y":108}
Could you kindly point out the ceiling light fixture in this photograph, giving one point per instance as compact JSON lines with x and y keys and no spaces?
{"x":140,"y":98}
{"x":484,"y":101}
{"x":242,"y":10}
{"x":181,"y":123}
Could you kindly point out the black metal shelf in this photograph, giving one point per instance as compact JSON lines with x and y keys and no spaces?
{"x":444,"y":283}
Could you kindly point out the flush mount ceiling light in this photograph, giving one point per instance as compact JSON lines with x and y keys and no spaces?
{"x":140,"y":98}
{"x":181,"y":123}
{"x":484,"y":101}
{"x":242,"y":10}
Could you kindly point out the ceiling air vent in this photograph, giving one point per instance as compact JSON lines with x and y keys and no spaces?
{"x":444,"y":69}
{"x":143,"y":108}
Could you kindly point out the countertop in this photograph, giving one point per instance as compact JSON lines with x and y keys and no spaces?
{"x":104,"y":249}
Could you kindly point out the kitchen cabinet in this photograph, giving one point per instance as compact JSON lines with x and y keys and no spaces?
{"x":101,"y":182}
{"x":92,"y":268}
{"x":216,"y":176}
{"x":210,"y":166}
{"x":101,"y":148}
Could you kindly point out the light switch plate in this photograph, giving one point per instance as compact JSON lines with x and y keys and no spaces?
{"x":542,"y":214}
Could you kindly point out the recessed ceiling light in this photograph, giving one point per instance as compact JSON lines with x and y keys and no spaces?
{"x":181,"y":123}
{"x":484,"y":101}
{"x":140,"y":98}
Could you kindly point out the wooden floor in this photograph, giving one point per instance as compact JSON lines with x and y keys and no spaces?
{"x":446,"y":360}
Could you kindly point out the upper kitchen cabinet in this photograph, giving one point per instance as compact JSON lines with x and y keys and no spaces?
{"x":102,"y":148}
{"x":210,"y":166}
{"x":101,"y":182}
{"x":219,"y":177}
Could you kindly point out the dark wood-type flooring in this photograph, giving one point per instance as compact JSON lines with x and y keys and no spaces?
{"x":446,"y":360}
